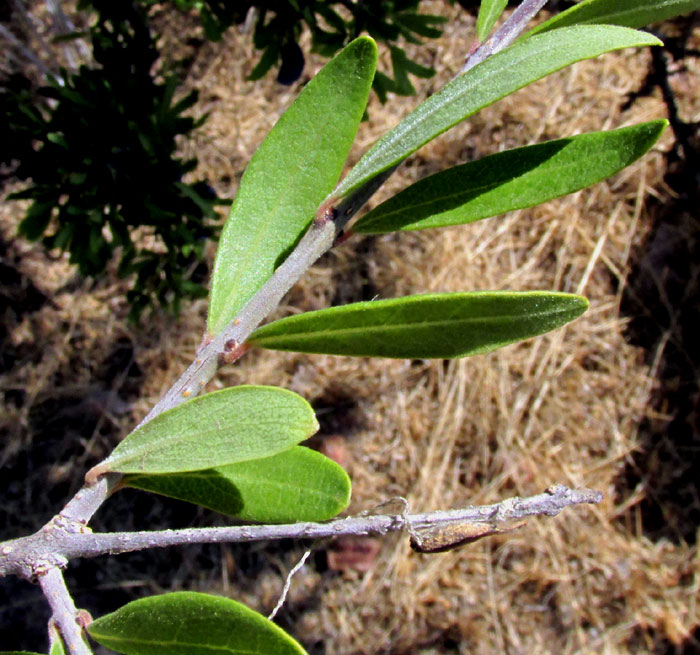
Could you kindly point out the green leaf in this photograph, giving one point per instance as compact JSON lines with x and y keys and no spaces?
{"x":269,"y":58}
{"x":296,"y":485}
{"x":57,"y":647}
{"x":435,"y":325}
{"x":426,"y":25}
{"x":190,"y":623}
{"x":402,"y":66}
{"x":288,"y":177}
{"x":491,"y":80}
{"x":489,"y":11}
{"x":36,"y":220}
{"x":219,"y":428}
{"x":631,"y":13}
{"x":18,"y":652}
{"x":513,"y":179}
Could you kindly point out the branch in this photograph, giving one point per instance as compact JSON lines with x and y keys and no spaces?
{"x":64,"y":611}
{"x":81,"y":508}
{"x":318,"y":239}
{"x":66,"y":536}
{"x":41,"y":555}
{"x":83,"y":543}
{"x":506,"y":33}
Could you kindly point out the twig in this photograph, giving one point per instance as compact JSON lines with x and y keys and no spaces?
{"x":89,"y":499}
{"x":71,"y":541}
{"x":66,"y":535}
{"x":288,"y":584}
{"x":511,"y":29}
{"x":64,"y":611}
{"x":318,"y":239}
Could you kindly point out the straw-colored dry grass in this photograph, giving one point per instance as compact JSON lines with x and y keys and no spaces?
{"x":564,"y":407}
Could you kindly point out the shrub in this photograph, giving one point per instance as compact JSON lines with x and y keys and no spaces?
{"x":98,"y":151}
{"x":236,"y":450}
{"x":332,"y":25}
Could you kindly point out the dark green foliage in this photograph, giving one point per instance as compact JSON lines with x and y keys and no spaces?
{"x":332,"y":24}
{"x":98,"y":152}
{"x":22,"y":119}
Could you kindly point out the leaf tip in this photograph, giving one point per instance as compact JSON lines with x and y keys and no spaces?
{"x":579,"y":304}
{"x":662,"y":124}
{"x":367,"y":40}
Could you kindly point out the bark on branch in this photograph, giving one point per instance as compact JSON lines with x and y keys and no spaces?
{"x":63,"y":541}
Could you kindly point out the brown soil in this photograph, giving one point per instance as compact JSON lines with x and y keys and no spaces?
{"x":583,"y":406}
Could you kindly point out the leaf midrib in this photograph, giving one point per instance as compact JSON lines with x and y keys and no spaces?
{"x":142,"y":450}
{"x":508,"y":65}
{"x":478,"y":190}
{"x":403,"y":326}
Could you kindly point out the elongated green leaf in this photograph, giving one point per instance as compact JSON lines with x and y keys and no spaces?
{"x":418,"y":327}
{"x":57,"y":647}
{"x":296,"y":485}
{"x":491,"y":80}
{"x":56,"y":643}
{"x":224,"y":427}
{"x":631,"y":13}
{"x":288,"y":177}
{"x":190,"y":623}
{"x":489,"y":11}
{"x":513,"y":179}
{"x":17,"y":652}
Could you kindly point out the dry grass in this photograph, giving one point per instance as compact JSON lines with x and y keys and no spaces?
{"x":564,"y":407}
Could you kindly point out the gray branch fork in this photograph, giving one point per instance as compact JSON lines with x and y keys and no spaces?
{"x":42,"y":556}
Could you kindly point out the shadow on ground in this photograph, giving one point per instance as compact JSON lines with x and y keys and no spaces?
{"x":662,"y":299}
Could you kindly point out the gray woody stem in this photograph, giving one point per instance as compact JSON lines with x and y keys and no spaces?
{"x":511,"y":29}
{"x":71,"y":540}
{"x":64,"y":611}
{"x":67,"y":536}
{"x":318,"y":239}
